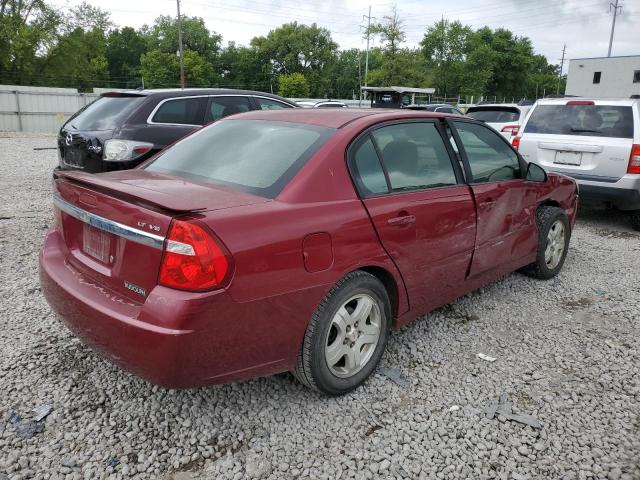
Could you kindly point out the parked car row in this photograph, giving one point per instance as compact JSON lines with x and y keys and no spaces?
{"x":281,"y":238}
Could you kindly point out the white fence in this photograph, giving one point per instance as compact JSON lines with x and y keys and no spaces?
{"x":38,"y":109}
{"x":43,"y":109}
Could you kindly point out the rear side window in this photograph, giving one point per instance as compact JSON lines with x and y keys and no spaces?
{"x":584,"y":120}
{"x":255,"y":156}
{"x":105,"y":113}
{"x":414,"y":156}
{"x":269,"y":104}
{"x":368,"y":173}
{"x":494,"y":114}
{"x":224,"y":106}
{"x":491,"y":159}
{"x":182,"y":111}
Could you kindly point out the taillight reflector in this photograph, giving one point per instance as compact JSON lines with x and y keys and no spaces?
{"x":515,"y":141}
{"x":580,"y":102}
{"x":193,"y":259}
{"x":513,"y":129}
{"x":634,"y":160}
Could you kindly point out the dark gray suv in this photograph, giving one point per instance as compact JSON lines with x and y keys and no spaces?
{"x":120,"y":130}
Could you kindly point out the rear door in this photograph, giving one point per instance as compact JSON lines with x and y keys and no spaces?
{"x":421,"y":209}
{"x":505,"y":202}
{"x":583,"y":139}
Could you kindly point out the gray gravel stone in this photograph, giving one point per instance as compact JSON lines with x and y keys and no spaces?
{"x":567,"y":349}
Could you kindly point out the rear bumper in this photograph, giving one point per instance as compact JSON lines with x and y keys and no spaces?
{"x":623,"y":194}
{"x":174,"y":339}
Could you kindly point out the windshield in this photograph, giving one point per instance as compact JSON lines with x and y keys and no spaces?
{"x":106,"y":113}
{"x":494,"y":114}
{"x":255,"y":156}
{"x":585,"y":120}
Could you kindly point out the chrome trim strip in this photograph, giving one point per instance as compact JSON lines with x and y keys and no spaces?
{"x":124,"y":231}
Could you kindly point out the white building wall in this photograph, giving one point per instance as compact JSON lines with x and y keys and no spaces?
{"x":616,"y":78}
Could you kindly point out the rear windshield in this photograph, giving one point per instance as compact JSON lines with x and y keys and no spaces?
{"x":255,"y":156}
{"x":106,"y":113}
{"x":585,"y":120}
{"x":494,"y":114}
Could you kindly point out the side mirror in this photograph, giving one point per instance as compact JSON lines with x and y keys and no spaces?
{"x":535,"y":173}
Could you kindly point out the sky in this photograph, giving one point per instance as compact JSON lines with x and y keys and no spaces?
{"x":584,"y":25}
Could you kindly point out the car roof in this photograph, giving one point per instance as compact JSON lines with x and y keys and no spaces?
{"x":493,"y":105}
{"x":333,"y":118}
{"x":596,"y":101}
{"x":188,"y":92}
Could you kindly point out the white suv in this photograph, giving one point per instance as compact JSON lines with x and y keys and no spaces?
{"x":506,"y":118}
{"x":597,"y":142}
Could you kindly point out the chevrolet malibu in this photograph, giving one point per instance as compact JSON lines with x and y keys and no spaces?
{"x":294,"y":241}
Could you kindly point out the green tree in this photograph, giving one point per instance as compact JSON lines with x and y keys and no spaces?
{"x":445,"y":47}
{"x":293,"y":85}
{"x":124,"y":48}
{"x":27,"y":31}
{"x":295,"y":48}
{"x":160,"y":69}
{"x":243,"y":67}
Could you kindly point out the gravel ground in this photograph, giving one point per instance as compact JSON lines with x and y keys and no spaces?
{"x":567,"y":354}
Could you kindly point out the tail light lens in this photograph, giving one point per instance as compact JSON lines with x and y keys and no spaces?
{"x":634,"y":160}
{"x":512,"y":129}
{"x":124,"y":150}
{"x":193,"y":259}
{"x":515,"y":141}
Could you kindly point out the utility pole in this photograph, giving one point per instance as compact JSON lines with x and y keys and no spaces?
{"x":564,"y":49}
{"x":179,"y":24}
{"x":613,"y":24}
{"x":366,"y":58}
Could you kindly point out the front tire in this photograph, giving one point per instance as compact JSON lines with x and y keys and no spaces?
{"x":554,"y":233}
{"x":346,"y":336}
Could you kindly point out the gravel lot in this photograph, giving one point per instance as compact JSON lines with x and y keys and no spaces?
{"x":567,"y":354}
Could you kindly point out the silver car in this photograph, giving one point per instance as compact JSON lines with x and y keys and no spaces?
{"x":597,"y":142}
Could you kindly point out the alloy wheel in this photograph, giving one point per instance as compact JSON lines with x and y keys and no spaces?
{"x":353,"y":335}
{"x":555,"y":245}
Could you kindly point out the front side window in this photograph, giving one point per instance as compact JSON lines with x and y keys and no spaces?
{"x":183,"y":111}
{"x":414,"y":156}
{"x":255,"y":156}
{"x":490,"y":158}
{"x":269,"y":104}
{"x":582,"y":120}
{"x":224,"y":106}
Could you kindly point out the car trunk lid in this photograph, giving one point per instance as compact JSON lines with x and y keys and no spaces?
{"x":114,"y":225}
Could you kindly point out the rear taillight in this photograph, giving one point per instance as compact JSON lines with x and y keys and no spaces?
{"x":124,"y":150}
{"x":193,"y":259}
{"x":512,"y":129}
{"x":515,"y":141}
{"x":634,"y":160}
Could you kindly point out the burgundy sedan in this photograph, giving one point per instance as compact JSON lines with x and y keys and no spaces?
{"x":294,"y":240}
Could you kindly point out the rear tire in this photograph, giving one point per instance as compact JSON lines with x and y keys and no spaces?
{"x":346,"y":336}
{"x":635,"y":220}
{"x":554,"y":233}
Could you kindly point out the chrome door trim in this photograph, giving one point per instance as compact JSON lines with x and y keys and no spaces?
{"x":119,"y":229}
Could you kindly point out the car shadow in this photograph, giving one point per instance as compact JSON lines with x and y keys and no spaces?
{"x":607,"y":221}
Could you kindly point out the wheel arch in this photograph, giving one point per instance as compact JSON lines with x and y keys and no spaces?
{"x":390,"y":285}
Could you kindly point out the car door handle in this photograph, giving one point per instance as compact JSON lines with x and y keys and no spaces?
{"x":402,"y":220}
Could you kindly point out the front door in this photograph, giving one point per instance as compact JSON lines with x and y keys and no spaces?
{"x":505,"y":202}
{"x":421,"y":209}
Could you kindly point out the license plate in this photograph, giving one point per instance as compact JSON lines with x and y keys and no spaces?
{"x":96,"y":243}
{"x":568,"y":158}
{"x":73,"y":157}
